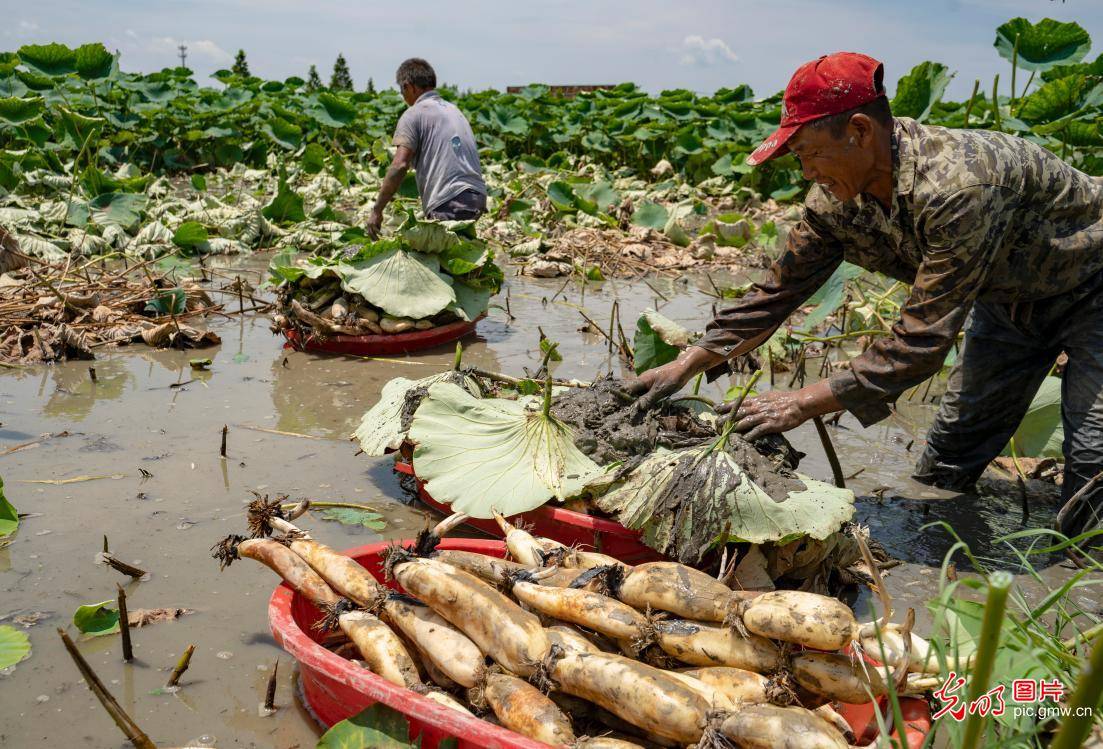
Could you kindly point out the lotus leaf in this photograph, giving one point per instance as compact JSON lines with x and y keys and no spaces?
{"x":401,"y":283}
{"x":93,"y":61}
{"x":482,"y":456}
{"x":16,"y":111}
{"x":687,"y":501}
{"x":1042,"y":45}
{"x":9,"y":518}
{"x":49,"y":59}
{"x":919,"y":90}
{"x":1041,"y":432}
{"x":14,"y":646}
{"x":383,"y":428}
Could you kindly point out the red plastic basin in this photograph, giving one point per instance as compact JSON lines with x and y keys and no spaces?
{"x":380,"y":345}
{"x":559,"y":524}
{"x":336,"y":688}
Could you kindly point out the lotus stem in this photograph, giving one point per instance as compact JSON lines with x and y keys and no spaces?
{"x":547,"y":397}
{"x":1076,"y":727}
{"x":729,"y":424}
{"x":181,"y":667}
{"x":832,"y":456}
{"x":459,"y":357}
{"x":972,"y":98}
{"x":1014,"y":68}
{"x":125,"y":723}
{"x":999,"y":584}
{"x":997,"y":120}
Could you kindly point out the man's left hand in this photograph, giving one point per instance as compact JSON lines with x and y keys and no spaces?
{"x":781,"y":410}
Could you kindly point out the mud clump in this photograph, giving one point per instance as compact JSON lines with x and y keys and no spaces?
{"x":609,"y":428}
{"x":415,"y":396}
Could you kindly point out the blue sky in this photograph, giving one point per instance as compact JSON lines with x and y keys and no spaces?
{"x":482,"y":43}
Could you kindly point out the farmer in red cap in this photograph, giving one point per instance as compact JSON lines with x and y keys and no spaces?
{"x":993,"y":233}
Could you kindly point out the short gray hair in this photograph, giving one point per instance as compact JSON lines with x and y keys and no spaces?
{"x":417,"y":73}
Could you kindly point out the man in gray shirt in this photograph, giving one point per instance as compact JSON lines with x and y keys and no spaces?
{"x":434,"y":137}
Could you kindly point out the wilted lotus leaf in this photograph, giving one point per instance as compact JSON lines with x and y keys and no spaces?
{"x":482,"y":456}
{"x":688,"y":500}
{"x":384,"y":426}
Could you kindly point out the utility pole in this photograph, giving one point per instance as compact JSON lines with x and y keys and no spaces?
{"x":183,"y":56}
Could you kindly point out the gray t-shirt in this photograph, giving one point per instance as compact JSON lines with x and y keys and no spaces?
{"x":446,"y":159}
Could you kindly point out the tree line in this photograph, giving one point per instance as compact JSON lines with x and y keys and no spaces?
{"x":339,"y":80}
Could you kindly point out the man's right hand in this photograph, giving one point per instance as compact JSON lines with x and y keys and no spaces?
{"x":660,"y":383}
{"x":375,"y":224}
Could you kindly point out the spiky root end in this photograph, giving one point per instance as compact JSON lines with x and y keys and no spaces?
{"x":542,"y":677}
{"x":781,"y":689}
{"x":225,"y":551}
{"x":331,"y":618}
{"x":394,"y":556}
{"x":426,"y":542}
{"x":614,"y":578}
{"x":734,"y":616}
{"x":260,"y":513}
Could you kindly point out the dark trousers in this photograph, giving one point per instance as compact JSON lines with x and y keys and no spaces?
{"x":1007,"y":352}
{"x":467,"y":206}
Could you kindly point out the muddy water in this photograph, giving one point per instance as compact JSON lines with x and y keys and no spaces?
{"x":149,"y":411}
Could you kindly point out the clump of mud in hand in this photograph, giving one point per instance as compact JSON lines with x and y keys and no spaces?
{"x":609,"y":428}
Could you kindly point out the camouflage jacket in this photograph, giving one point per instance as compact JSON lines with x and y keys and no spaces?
{"x":976,"y":215}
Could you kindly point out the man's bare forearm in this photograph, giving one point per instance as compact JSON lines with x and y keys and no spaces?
{"x":391,"y":182}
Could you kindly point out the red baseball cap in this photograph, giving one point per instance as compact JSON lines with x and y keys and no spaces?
{"x":830,"y":85}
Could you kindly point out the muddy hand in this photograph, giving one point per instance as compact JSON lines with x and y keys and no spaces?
{"x":656,"y":385}
{"x":772,"y":412}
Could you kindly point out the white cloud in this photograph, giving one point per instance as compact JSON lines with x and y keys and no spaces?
{"x":203,"y":48}
{"x":28,"y":26}
{"x":697,"y":50}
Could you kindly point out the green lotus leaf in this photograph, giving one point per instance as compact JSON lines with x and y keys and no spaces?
{"x":829,"y":297}
{"x":283,"y":133}
{"x":383,"y":428}
{"x":1042,"y":45}
{"x":600,"y":194}
{"x":401,"y":283}
{"x":471,"y":301}
{"x":919,"y":90}
{"x":96,"y":619}
{"x":333,"y":111}
{"x":190,"y":235}
{"x":377,"y":726}
{"x":49,"y":59}
{"x":9,"y":517}
{"x":8,"y":62}
{"x":287,"y":206}
{"x":120,"y":209}
{"x":14,"y":646}
{"x":79,"y":129}
{"x":428,"y":236}
{"x":464,"y":257}
{"x":1061,"y":98}
{"x":482,"y":456}
{"x":1093,"y":68}
{"x":16,"y":111}
{"x":651,"y":215}
{"x":687,"y":501}
{"x":314,"y":158}
{"x":93,"y":61}
{"x":1041,"y":433}
{"x":658,"y":340}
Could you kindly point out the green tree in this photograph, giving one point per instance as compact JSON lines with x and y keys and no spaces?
{"x":241,"y":67}
{"x":341,"y":80}
{"x":371,"y":86}
{"x":313,"y":80}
